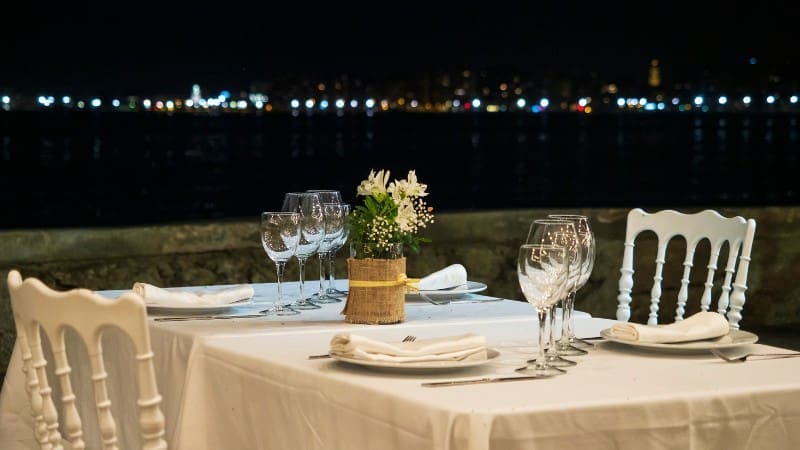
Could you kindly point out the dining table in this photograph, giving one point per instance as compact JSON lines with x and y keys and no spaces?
{"x":265,"y":382}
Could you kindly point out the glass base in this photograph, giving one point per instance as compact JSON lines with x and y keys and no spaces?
{"x":540,"y":371}
{"x":280,"y":310}
{"x":304,"y":305}
{"x":580,"y":343}
{"x":316,"y":298}
{"x":557,"y":361}
{"x":336,"y":293}
{"x":570,"y":350}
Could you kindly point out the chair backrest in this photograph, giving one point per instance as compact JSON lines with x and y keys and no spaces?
{"x":706,"y":225}
{"x":38,"y":309}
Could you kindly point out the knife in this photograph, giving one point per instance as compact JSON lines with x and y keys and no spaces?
{"x":184,"y":318}
{"x":483,"y":380}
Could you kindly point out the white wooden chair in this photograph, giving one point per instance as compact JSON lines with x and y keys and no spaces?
{"x":706,"y":225}
{"x":37,"y":309}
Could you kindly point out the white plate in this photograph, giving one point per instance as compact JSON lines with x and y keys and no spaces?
{"x":196,"y":309}
{"x":419,"y":365}
{"x":454,"y":292}
{"x":734,"y":338}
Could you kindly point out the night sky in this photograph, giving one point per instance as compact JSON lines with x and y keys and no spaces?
{"x":136,"y":48}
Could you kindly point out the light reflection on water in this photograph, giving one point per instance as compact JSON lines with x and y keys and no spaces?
{"x":94,"y":169}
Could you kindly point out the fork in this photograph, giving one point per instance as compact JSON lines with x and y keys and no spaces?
{"x":409,"y":338}
{"x":744,"y":357}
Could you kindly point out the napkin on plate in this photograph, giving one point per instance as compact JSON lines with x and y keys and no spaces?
{"x":703,"y":325}
{"x":154,"y":295}
{"x":464,"y":347}
{"x":449,"y":277}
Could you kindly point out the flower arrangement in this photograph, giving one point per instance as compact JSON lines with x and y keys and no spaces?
{"x":392,"y":213}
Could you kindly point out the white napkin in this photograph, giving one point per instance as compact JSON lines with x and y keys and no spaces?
{"x":449,"y":277}
{"x":154,"y":295}
{"x":703,"y":325}
{"x":465,"y":347}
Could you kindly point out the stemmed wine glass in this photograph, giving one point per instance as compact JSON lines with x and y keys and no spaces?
{"x":339,"y":243}
{"x":335,"y":217}
{"x":559,"y":232}
{"x":542,"y":272}
{"x":330,"y":295}
{"x":280,"y":234}
{"x":587,"y":243}
{"x":312,"y":231}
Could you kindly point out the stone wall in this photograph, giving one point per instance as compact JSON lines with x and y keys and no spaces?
{"x":485,"y":242}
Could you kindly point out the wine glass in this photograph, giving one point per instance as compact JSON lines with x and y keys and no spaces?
{"x":559,"y":232}
{"x":542,"y":272}
{"x":280,"y":234}
{"x":335,"y":218}
{"x":339,"y":243}
{"x":327,"y":195}
{"x":312,"y":231}
{"x":587,"y":243}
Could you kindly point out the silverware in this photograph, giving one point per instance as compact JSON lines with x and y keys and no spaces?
{"x":457,"y":300}
{"x":482,"y":380}
{"x":409,"y":338}
{"x":185,"y":318}
{"x":743,"y":358}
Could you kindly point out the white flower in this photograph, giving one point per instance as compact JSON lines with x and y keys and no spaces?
{"x":409,"y":187}
{"x":374,"y":184}
{"x":406,"y":216}
{"x":393,"y":212}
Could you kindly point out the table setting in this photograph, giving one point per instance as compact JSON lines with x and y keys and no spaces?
{"x":381,"y":359}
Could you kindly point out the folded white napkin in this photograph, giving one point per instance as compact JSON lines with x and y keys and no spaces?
{"x":465,"y":347}
{"x":703,"y":325}
{"x":449,"y":277}
{"x":154,"y":295}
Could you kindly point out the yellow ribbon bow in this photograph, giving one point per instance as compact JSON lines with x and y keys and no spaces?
{"x":411,"y":284}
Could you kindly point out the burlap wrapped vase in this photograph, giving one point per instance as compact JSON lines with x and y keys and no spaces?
{"x":377,"y":285}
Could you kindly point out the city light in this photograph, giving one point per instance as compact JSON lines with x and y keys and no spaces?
{"x":443,"y":95}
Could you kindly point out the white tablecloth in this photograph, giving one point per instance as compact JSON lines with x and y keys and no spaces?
{"x":248,"y":384}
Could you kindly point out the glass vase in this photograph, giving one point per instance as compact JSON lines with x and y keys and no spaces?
{"x":374,"y":250}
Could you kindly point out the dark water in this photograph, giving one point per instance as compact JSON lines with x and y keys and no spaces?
{"x":68,"y":169}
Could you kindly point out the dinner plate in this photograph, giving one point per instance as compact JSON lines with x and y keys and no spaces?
{"x":419,"y":365}
{"x":195,"y":309}
{"x":734,"y":338}
{"x":454,"y":292}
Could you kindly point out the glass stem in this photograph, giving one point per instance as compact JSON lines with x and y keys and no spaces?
{"x":541,"y":360}
{"x":331,"y":277}
{"x":322,"y":257}
{"x":566,"y":320}
{"x":551,"y":344}
{"x":279,"y":266}
{"x":301,"y":262}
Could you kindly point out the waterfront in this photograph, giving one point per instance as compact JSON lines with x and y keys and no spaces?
{"x":71,"y":169}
